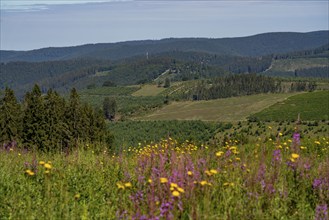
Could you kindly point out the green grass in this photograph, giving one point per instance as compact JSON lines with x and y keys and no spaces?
{"x":224,"y":181}
{"x":149,"y":90}
{"x":128,"y":133}
{"x":229,"y":109}
{"x":310,"y":106}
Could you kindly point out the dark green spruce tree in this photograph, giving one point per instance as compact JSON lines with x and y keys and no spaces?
{"x":73,"y":116}
{"x":109,"y":108}
{"x":10,"y":118}
{"x":55,"y":127}
{"x":34,"y":121}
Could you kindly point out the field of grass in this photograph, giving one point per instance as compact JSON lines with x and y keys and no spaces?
{"x":128,"y":133}
{"x":229,"y":109}
{"x":310,"y":106}
{"x":149,"y":90}
{"x":170,"y":180}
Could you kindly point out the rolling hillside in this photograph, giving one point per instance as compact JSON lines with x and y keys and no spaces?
{"x":228,"y":109}
{"x":257,"y":45}
{"x":310,"y":106}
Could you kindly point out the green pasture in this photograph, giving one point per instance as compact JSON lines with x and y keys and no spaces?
{"x":229,"y":109}
{"x":310,"y":106}
{"x":149,"y":90}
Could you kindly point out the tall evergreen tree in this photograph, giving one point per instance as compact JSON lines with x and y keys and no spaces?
{"x":10,"y":118}
{"x":34,"y":121}
{"x":55,"y":126}
{"x":73,"y":116}
{"x":109,"y":108}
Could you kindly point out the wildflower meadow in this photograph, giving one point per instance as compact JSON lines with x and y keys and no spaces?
{"x":285,"y":178}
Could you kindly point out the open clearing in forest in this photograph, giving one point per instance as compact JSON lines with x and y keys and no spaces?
{"x":149,"y":90}
{"x":228,"y":109}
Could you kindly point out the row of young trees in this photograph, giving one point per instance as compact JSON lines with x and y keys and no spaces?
{"x":49,"y":122}
{"x":233,"y":85}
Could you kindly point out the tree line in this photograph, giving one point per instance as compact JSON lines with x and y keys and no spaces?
{"x":233,"y":85}
{"x":49,"y":122}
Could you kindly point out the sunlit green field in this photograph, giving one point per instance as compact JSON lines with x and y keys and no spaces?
{"x":149,"y":90}
{"x":228,"y":109}
{"x":282,"y":178}
{"x":310,"y":106}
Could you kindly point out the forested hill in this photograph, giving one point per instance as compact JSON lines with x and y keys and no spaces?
{"x":257,"y":45}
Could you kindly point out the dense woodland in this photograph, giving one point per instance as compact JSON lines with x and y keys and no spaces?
{"x":139,"y":62}
{"x":49,"y":122}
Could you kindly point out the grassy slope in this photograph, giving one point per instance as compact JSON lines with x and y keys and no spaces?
{"x":149,"y":90}
{"x":311,"y":106}
{"x":230,"y":109}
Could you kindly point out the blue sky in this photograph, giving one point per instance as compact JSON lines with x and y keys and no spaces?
{"x":25,"y":25}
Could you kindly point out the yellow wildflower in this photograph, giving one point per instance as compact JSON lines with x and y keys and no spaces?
{"x":120,"y":186}
{"x":294,"y":156}
{"x":280,"y":134}
{"x":219,"y":153}
{"x":180,"y":189}
{"x":208,"y":172}
{"x":213,"y":171}
{"x":302,"y":147}
{"x":128,"y":185}
{"x":29,"y":172}
{"x":175,"y":193}
{"x":42,"y":162}
{"x":149,"y":181}
{"x":173,"y":185}
{"x":163,"y":180}
{"x":189,"y":173}
{"x":203,"y":182}
{"x":47,"y":166}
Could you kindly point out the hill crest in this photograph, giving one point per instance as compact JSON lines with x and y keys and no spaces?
{"x":255,"y":45}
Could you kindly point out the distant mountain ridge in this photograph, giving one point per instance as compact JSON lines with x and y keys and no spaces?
{"x":256,"y":45}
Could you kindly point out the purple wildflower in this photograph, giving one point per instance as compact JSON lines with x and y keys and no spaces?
{"x":321,"y":212}
{"x":317,"y":183}
{"x":165,"y":209}
{"x":276,"y":155}
{"x":292,"y":165}
{"x":307,"y":166}
{"x":296,"y":138}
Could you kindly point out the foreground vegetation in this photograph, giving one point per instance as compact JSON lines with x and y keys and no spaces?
{"x":268,"y":179}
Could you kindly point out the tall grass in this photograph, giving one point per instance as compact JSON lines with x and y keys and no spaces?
{"x":169,"y":180}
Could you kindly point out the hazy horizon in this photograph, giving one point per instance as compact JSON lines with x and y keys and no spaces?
{"x":27,"y":26}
